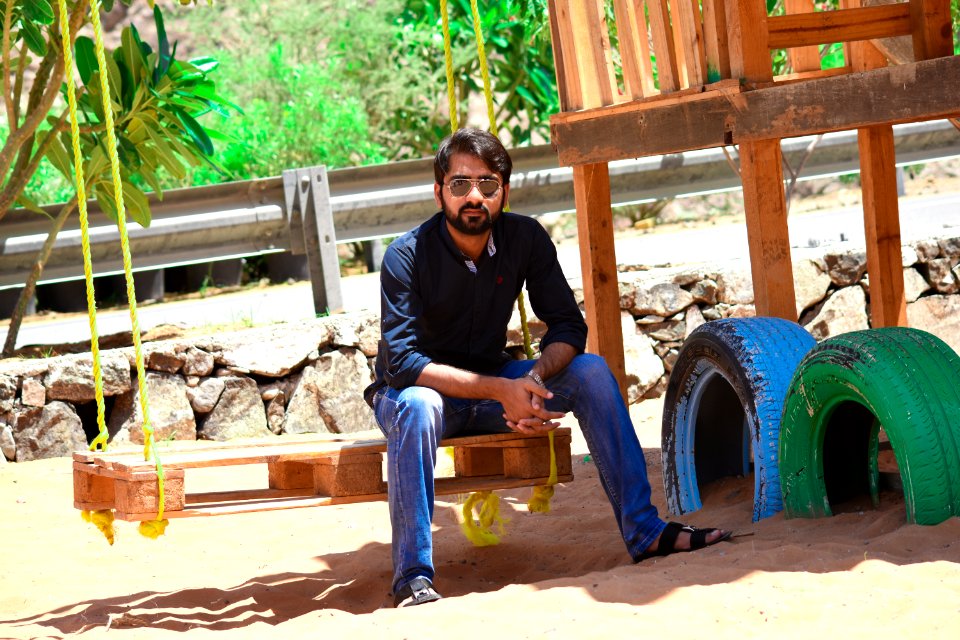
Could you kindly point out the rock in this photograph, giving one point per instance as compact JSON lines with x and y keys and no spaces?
{"x":272,"y":351}
{"x":329,"y":397}
{"x":735,"y":286}
{"x":644,"y":366}
{"x":740,"y":311}
{"x":164,"y":356}
{"x":914,"y":284}
{"x":668,"y":331}
{"x":537,"y":328}
{"x":663,"y":299}
{"x":694,"y":318}
{"x":688,"y":278}
{"x":24,"y":368}
{"x":7,"y":444}
{"x":847,"y":268}
{"x":238,"y":414}
{"x":927,"y":250}
{"x":705,"y":291}
{"x":711,"y":313}
{"x":51,"y":432}
{"x":670,"y":359}
{"x":269,"y":393}
{"x":197,"y":362}
{"x":950,"y":248}
{"x":810,"y":283}
{"x":939,"y":315}
{"x":204,"y":397}
{"x":8,"y":392}
{"x":32,"y":393}
{"x":71,"y":377}
{"x":276,"y":411}
{"x":940,"y":276}
{"x":171,"y":415}
{"x":908,"y":255}
{"x":368,"y":340}
{"x":844,"y":311}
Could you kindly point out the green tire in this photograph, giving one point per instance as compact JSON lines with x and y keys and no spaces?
{"x":905,"y":380}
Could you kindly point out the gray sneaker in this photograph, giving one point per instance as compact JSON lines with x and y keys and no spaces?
{"x":418,"y":591}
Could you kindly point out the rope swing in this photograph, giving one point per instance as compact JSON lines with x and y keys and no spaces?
{"x":478,"y":528}
{"x":103,"y":519}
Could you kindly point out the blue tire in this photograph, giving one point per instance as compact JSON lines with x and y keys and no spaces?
{"x":726,"y":393}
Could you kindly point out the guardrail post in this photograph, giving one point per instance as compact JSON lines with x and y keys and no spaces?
{"x":311,"y":231}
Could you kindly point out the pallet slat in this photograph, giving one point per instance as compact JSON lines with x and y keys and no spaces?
{"x":303,"y":474}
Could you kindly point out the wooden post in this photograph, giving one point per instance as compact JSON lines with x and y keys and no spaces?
{"x":761,"y":170}
{"x":932,"y":28}
{"x":598,"y":263}
{"x":802,"y":58}
{"x":881,"y":210}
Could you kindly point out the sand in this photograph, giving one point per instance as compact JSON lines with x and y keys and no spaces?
{"x":325,"y":572}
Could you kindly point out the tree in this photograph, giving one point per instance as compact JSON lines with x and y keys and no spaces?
{"x":156,"y":100}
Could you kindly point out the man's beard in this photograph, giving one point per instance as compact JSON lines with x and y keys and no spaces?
{"x":470,"y":227}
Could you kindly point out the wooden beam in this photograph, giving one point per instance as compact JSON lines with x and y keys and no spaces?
{"x":561,"y":37}
{"x":932,"y":28}
{"x":689,"y":25}
{"x":761,"y":170}
{"x":801,"y":59}
{"x":747,"y":39}
{"x":592,"y":52}
{"x":663,"y":45}
{"x":842,"y":25}
{"x":922,"y":90}
{"x":715,"y":40}
{"x":591,"y":188}
{"x":634,"y":49}
{"x":881,"y":223}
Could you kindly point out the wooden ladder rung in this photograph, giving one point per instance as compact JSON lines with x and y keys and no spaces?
{"x":303,"y":473}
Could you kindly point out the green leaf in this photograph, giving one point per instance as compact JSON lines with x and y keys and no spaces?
{"x":59,"y":157}
{"x":103,"y":192}
{"x":29,"y":205}
{"x":196,"y":132}
{"x":38,"y":11}
{"x":136,"y":204}
{"x":205,"y":64}
{"x":132,"y":55}
{"x":166,"y":155}
{"x":86,"y":56}
{"x":33,"y":38}
{"x":523,"y":91}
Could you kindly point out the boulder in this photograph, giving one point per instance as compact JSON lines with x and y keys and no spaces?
{"x":939,"y":315}
{"x":735,"y":286}
{"x":51,"y":432}
{"x":204,"y":397}
{"x":197,"y":362}
{"x":844,"y":311}
{"x":8,"y":392}
{"x":329,"y":397}
{"x":8,"y":446}
{"x":71,"y":377}
{"x":644,"y":366}
{"x":164,"y":356}
{"x":846,"y":268}
{"x":239,"y":412}
{"x":171,"y":415}
{"x":940,"y":275}
{"x":663,"y":299}
{"x":914,"y":284}
{"x":810,"y":283}
{"x":32,"y":393}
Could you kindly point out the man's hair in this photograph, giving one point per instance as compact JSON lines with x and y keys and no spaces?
{"x":477,"y":143}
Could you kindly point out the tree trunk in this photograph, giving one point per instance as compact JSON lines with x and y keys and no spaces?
{"x":30,"y":287}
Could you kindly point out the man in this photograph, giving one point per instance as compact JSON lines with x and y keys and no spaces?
{"x":448,"y":291}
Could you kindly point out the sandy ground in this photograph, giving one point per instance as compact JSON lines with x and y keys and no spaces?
{"x":325,"y":572}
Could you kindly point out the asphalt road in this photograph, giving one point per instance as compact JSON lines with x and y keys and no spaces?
{"x":920,"y":217}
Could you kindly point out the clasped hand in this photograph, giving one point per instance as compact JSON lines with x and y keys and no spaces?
{"x":524,"y":409}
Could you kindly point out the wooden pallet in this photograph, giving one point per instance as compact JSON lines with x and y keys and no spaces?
{"x":303,"y":472}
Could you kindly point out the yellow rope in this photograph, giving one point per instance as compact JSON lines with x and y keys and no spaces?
{"x":448,"y":58}
{"x":479,"y":531}
{"x":100,"y":441}
{"x":484,"y":71}
{"x":101,"y":518}
{"x":540,"y":500}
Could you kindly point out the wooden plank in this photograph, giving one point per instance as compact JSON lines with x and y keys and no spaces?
{"x":444,"y":486}
{"x":591,"y":188}
{"x":913,"y":92}
{"x":715,"y":39}
{"x":881,"y":223}
{"x":564,"y":63}
{"x":689,"y":38}
{"x":634,"y":49}
{"x":592,"y":54}
{"x":761,"y":170}
{"x":747,"y":40}
{"x":801,"y":59}
{"x":932,"y":28}
{"x":842,"y":25}
{"x":803,"y":76}
{"x":668,"y":76}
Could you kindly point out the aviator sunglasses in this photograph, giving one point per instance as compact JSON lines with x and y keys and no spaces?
{"x":488,"y":187}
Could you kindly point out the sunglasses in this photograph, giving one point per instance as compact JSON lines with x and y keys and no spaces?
{"x":488,"y":187}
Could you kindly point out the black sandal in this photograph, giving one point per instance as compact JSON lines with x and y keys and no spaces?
{"x":698,"y":540}
{"x":418,"y":591}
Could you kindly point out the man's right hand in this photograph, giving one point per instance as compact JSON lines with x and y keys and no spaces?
{"x":524,"y":407}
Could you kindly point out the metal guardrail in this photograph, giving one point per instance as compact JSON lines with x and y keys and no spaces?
{"x":230,"y":220}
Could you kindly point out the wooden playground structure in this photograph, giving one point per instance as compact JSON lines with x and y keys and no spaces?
{"x":714,"y":87}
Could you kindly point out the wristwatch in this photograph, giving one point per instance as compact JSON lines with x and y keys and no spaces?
{"x":533,"y":375}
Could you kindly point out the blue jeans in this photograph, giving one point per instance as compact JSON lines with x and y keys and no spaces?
{"x":415,"y":419}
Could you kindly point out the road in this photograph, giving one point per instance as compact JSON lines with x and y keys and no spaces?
{"x":920,"y":217}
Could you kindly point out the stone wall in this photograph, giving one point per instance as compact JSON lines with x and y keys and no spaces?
{"x":308,"y":376}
